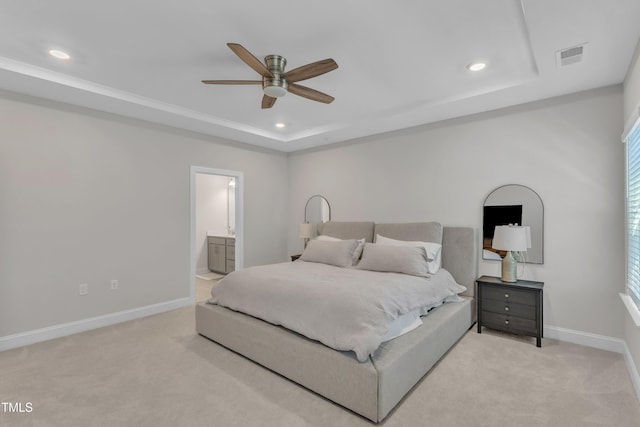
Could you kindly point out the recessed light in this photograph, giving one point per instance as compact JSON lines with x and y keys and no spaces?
{"x":279,"y":125}
{"x":476,"y":66}
{"x":59,"y":54}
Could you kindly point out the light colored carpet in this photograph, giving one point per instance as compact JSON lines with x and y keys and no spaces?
{"x":158,"y":372}
{"x":210,"y":276}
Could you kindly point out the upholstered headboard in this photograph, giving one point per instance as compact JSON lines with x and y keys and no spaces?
{"x":459,"y":246}
{"x":348,"y":230}
{"x":417,"y":231}
{"x":460,"y":257}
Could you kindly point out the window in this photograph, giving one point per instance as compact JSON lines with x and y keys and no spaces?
{"x":633,"y":213}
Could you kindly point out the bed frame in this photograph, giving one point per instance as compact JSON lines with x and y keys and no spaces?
{"x":373,"y":388}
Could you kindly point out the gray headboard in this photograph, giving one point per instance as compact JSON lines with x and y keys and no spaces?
{"x":459,"y":245}
{"x":420,"y":231}
{"x":460,"y":257}
{"x":348,"y":230}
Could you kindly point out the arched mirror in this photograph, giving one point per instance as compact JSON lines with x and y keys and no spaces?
{"x":514,"y":204}
{"x":317,"y":210}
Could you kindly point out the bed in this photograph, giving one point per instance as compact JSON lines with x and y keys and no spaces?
{"x":373,"y":386}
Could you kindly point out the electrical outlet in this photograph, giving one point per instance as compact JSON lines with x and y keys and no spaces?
{"x":83,"y":289}
{"x":114,"y":284}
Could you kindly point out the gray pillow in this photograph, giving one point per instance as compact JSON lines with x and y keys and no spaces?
{"x":333,"y":253}
{"x":398,"y":259}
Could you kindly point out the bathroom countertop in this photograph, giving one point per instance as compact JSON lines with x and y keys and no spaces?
{"x":225,"y":235}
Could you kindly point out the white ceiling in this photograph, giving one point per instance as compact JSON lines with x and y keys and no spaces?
{"x":401,"y":63}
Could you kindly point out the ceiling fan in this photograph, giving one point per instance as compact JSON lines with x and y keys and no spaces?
{"x":275,"y":82}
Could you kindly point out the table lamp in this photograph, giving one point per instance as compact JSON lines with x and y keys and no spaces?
{"x":511,"y":238}
{"x":308,"y":230}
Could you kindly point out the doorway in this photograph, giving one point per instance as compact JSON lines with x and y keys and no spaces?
{"x":217,"y":209}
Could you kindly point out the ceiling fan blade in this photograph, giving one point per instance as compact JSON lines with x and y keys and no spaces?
{"x":249,"y":59}
{"x":268,"y":101}
{"x":311,"y":70}
{"x":309,"y":93}
{"x":232,"y":82}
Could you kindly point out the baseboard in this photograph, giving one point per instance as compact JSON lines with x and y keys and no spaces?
{"x":633,"y":371}
{"x":598,"y":341}
{"x":585,"y":338}
{"x":31,"y":337}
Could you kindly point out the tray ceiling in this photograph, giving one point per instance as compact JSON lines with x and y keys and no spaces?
{"x":400,"y":64}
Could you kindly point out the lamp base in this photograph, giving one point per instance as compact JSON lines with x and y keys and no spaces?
{"x":509,"y":268}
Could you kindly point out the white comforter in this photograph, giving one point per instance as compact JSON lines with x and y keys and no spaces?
{"x":344,"y":308}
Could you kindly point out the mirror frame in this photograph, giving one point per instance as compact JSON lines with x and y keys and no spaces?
{"x":537,"y":228}
{"x":306,"y":206}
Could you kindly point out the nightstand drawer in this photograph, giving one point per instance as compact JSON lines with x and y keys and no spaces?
{"x":508,"y":323}
{"x":510,"y":308}
{"x":500,"y":293}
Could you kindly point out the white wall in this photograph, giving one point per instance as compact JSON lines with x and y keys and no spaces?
{"x":211,"y":213}
{"x":631,"y":103}
{"x":567,"y":149}
{"x":87,"y":197}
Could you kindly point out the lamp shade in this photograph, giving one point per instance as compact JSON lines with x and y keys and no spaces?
{"x":308,"y":230}
{"x":511,"y":238}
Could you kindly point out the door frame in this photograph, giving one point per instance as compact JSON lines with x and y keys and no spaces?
{"x":239,"y":219}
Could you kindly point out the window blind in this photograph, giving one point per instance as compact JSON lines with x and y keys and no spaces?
{"x":633,"y":214}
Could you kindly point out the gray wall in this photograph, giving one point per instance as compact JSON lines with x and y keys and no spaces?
{"x":567,"y":149}
{"x":90,"y":197}
{"x":87,"y":197}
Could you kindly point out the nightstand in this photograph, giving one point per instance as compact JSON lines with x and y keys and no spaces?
{"x":295,"y":257}
{"x":510,"y":307}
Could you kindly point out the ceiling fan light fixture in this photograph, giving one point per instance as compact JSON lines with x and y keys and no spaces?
{"x":274,"y":91}
{"x":275,"y":87}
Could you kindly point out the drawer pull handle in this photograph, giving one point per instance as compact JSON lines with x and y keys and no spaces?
{"x":506,"y":322}
{"x":506,"y":309}
{"x":506,"y":295}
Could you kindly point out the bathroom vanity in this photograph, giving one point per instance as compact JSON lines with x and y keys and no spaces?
{"x":222,"y":253}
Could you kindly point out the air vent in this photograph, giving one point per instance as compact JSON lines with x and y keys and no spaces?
{"x":570,"y":55}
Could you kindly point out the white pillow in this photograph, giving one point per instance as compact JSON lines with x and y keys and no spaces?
{"x":339,"y":253}
{"x":434,"y":250}
{"x":395,"y":259}
{"x":356,"y":254}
